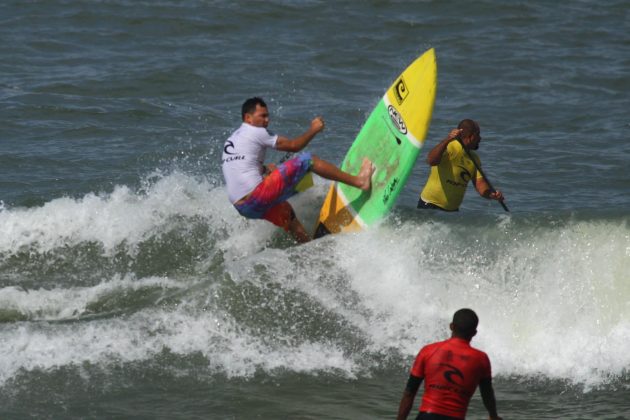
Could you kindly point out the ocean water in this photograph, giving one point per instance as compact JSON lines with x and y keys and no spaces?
{"x":130,"y":288}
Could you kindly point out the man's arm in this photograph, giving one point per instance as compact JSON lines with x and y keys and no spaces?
{"x":435,"y":155}
{"x":408,"y":396}
{"x":295,"y":145}
{"x":485,"y":191}
{"x":487,"y":395}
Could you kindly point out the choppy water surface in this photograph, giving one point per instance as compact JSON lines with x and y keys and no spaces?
{"x":129,"y":287}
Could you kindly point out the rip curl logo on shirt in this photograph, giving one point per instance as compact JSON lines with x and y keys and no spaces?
{"x":453,"y":372}
{"x":397,"y":119}
{"x":464,"y":174}
{"x":228,"y":148}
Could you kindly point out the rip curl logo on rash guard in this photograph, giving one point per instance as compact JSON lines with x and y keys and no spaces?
{"x":465,"y":175}
{"x":228,"y":149}
{"x":454,"y":378}
{"x":452,"y":374}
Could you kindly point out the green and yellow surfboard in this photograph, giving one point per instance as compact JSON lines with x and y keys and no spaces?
{"x":391,"y":138}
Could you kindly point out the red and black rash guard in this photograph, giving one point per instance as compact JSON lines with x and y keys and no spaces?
{"x":451,"y":369}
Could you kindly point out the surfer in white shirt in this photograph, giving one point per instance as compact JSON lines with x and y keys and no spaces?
{"x":261,"y":191}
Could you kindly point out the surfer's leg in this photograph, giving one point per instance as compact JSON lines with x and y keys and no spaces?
{"x":299,"y":233}
{"x":282,"y":215}
{"x":363,"y":180}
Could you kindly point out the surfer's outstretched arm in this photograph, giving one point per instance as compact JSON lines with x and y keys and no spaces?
{"x":295,"y":145}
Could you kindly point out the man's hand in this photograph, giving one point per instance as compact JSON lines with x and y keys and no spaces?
{"x":317,"y":124}
{"x":435,"y":155}
{"x":496,"y":195}
{"x":285,"y":144}
{"x":454,"y":133}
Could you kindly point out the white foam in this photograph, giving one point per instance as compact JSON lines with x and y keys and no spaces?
{"x":553,"y":301}
{"x":68,"y":303}
{"x":555,"y":304}
{"x":144,"y":335}
{"x":122,"y":216}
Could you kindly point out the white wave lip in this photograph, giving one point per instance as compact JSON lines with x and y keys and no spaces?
{"x":110,"y":219}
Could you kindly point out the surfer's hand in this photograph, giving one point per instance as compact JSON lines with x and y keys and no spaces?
{"x":496,"y":195}
{"x":317,"y":124}
{"x":454,"y":133}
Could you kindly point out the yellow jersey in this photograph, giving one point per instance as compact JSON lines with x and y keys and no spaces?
{"x":448,"y":180}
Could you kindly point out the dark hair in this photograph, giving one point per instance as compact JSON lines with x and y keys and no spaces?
{"x":468,"y":126}
{"x":465,"y":323}
{"x":249,"y":106}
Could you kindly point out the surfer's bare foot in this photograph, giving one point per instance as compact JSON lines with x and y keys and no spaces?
{"x":365,"y":175}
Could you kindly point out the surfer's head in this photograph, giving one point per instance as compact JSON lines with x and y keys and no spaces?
{"x":464,"y":324}
{"x":470,"y":134}
{"x":254,"y":112}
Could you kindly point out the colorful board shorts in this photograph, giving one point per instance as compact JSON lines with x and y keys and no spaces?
{"x":269,"y":199}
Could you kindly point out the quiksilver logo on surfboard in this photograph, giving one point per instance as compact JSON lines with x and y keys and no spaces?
{"x":397,"y":119}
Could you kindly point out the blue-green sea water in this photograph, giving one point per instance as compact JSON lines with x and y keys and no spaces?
{"x":130,"y":288}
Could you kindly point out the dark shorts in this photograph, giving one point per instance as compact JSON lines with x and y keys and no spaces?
{"x":424,"y":205}
{"x":432,"y":416}
{"x":269,"y":199}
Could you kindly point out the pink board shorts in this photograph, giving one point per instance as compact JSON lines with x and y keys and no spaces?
{"x":269,"y":199}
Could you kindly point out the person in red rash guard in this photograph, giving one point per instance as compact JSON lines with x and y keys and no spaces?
{"x":451,"y":371}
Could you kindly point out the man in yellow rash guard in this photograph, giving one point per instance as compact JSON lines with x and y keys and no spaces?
{"x":452,"y":168}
